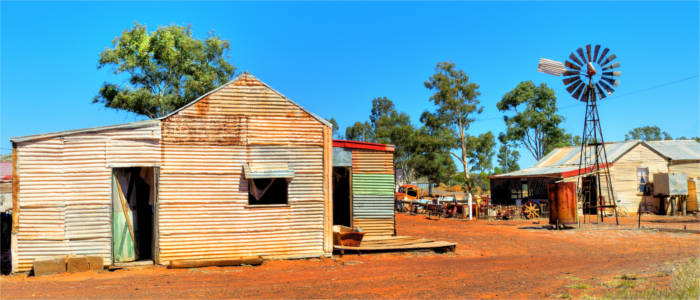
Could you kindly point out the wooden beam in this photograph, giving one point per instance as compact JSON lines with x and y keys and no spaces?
{"x":327,"y":190}
{"x":181,"y":264}
{"x":15,"y":191}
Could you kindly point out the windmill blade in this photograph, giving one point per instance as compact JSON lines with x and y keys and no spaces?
{"x":588,"y":52}
{"x":585,"y":95}
{"x":612,"y":73}
{"x":569,"y":80}
{"x":599,"y":91}
{"x":610,"y":80}
{"x":602,"y":55}
{"x":570,"y":65}
{"x":578,"y":91}
{"x":551,"y":67}
{"x":571,"y":73}
{"x":580,"y":54}
{"x":575,"y":59}
{"x":608,"y":60}
{"x":595,"y":54}
{"x":613,"y":66}
{"x":607,"y":88}
{"x":572,"y":87}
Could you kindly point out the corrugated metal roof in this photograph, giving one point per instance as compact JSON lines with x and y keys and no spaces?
{"x":138,"y":124}
{"x":537,"y":171}
{"x":678,"y":149}
{"x":569,"y":156}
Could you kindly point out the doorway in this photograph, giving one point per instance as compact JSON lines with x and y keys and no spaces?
{"x":133,"y":213}
{"x":589,"y":190}
{"x":342,"y":203}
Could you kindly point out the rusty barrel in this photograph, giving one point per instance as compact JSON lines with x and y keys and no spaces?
{"x":562,"y":203}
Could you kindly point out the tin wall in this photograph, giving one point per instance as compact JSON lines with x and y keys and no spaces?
{"x":204,"y":211}
{"x":373,"y":191}
{"x":64,"y":189}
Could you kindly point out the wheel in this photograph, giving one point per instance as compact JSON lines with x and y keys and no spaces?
{"x":531,"y":210}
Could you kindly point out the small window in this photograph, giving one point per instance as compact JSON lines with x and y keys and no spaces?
{"x":266,"y":191}
{"x":411,"y":192}
{"x":643,"y":181}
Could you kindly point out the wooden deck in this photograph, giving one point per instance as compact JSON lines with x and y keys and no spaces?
{"x":397,"y":243}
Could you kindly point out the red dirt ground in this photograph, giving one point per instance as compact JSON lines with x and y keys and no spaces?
{"x":514,"y":259}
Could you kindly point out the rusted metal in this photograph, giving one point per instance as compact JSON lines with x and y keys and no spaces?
{"x":15,"y":191}
{"x":562,"y":203}
{"x":65,"y":198}
{"x":203,"y":208}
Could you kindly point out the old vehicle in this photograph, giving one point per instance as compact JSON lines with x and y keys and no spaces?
{"x":408,"y":198}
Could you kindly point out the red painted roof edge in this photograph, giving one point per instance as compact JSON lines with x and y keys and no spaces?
{"x":583,"y":171}
{"x":363,"y":145}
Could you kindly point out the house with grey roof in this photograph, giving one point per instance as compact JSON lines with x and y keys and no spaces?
{"x":631,"y":165}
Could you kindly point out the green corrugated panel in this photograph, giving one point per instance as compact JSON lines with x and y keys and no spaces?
{"x":373,"y":184}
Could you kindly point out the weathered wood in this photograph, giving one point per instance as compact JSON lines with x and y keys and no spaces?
{"x":390,"y":243}
{"x":180,"y":264}
{"x":15,"y":191}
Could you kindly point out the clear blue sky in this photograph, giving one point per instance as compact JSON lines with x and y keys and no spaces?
{"x":333,"y":58}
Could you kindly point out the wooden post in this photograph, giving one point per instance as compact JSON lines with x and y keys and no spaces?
{"x":15,"y":191}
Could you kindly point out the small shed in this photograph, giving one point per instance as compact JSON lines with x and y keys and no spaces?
{"x":240,"y":171}
{"x":363,"y":186}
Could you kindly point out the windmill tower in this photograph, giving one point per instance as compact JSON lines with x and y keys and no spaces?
{"x":589,"y":76}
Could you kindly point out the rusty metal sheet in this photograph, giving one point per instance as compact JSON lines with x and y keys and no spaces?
{"x":372,"y":161}
{"x":65,"y":189}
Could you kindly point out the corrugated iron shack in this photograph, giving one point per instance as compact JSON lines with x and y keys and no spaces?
{"x":240,"y":171}
{"x":631,"y":164}
{"x":363,"y":186}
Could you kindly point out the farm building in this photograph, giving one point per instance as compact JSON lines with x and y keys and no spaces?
{"x":363,"y":186}
{"x":240,"y":171}
{"x":631,"y":164}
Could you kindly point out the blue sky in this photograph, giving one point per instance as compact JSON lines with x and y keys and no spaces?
{"x":333,"y":58}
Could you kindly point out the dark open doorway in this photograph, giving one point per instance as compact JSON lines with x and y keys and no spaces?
{"x":589,"y":189}
{"x":133,"y":213}
{"x":342,"y":208}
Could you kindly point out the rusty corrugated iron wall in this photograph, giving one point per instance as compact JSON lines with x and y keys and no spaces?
{"x":373,"y":191}
{"x":64,"y":189}
{"x":203,"y":195}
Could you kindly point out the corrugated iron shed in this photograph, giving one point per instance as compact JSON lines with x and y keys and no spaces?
{"x":204,"y":156}
{"x":372,"y":184}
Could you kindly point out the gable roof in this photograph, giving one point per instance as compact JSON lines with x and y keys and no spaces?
{"x":569,"y":156}
{"x":677,"y":149}
{"x":248,"y":76}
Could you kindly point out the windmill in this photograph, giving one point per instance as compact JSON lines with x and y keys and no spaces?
{"x":589,"y":76}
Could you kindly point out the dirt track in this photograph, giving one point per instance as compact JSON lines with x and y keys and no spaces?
{"x":493,"y":259}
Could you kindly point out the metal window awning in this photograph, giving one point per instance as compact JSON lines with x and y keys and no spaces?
{"x":255,"y":171}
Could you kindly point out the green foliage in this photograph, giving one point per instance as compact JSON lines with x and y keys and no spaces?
{"x":6,"y":157}
{"x":167,"y":68}
{"x":457,"y":102}
{"x":481,"y":150}
{"x":431,"y":157}
{"x":697,"y":139}
{"x":535,"y":123}
{"x":647,"y":133}
{"x":360,"y":131}
{"x":381,"y":106}
{"x":335,"y":127}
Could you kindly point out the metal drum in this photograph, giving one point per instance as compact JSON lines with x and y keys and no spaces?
{"x":562,"y":203}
